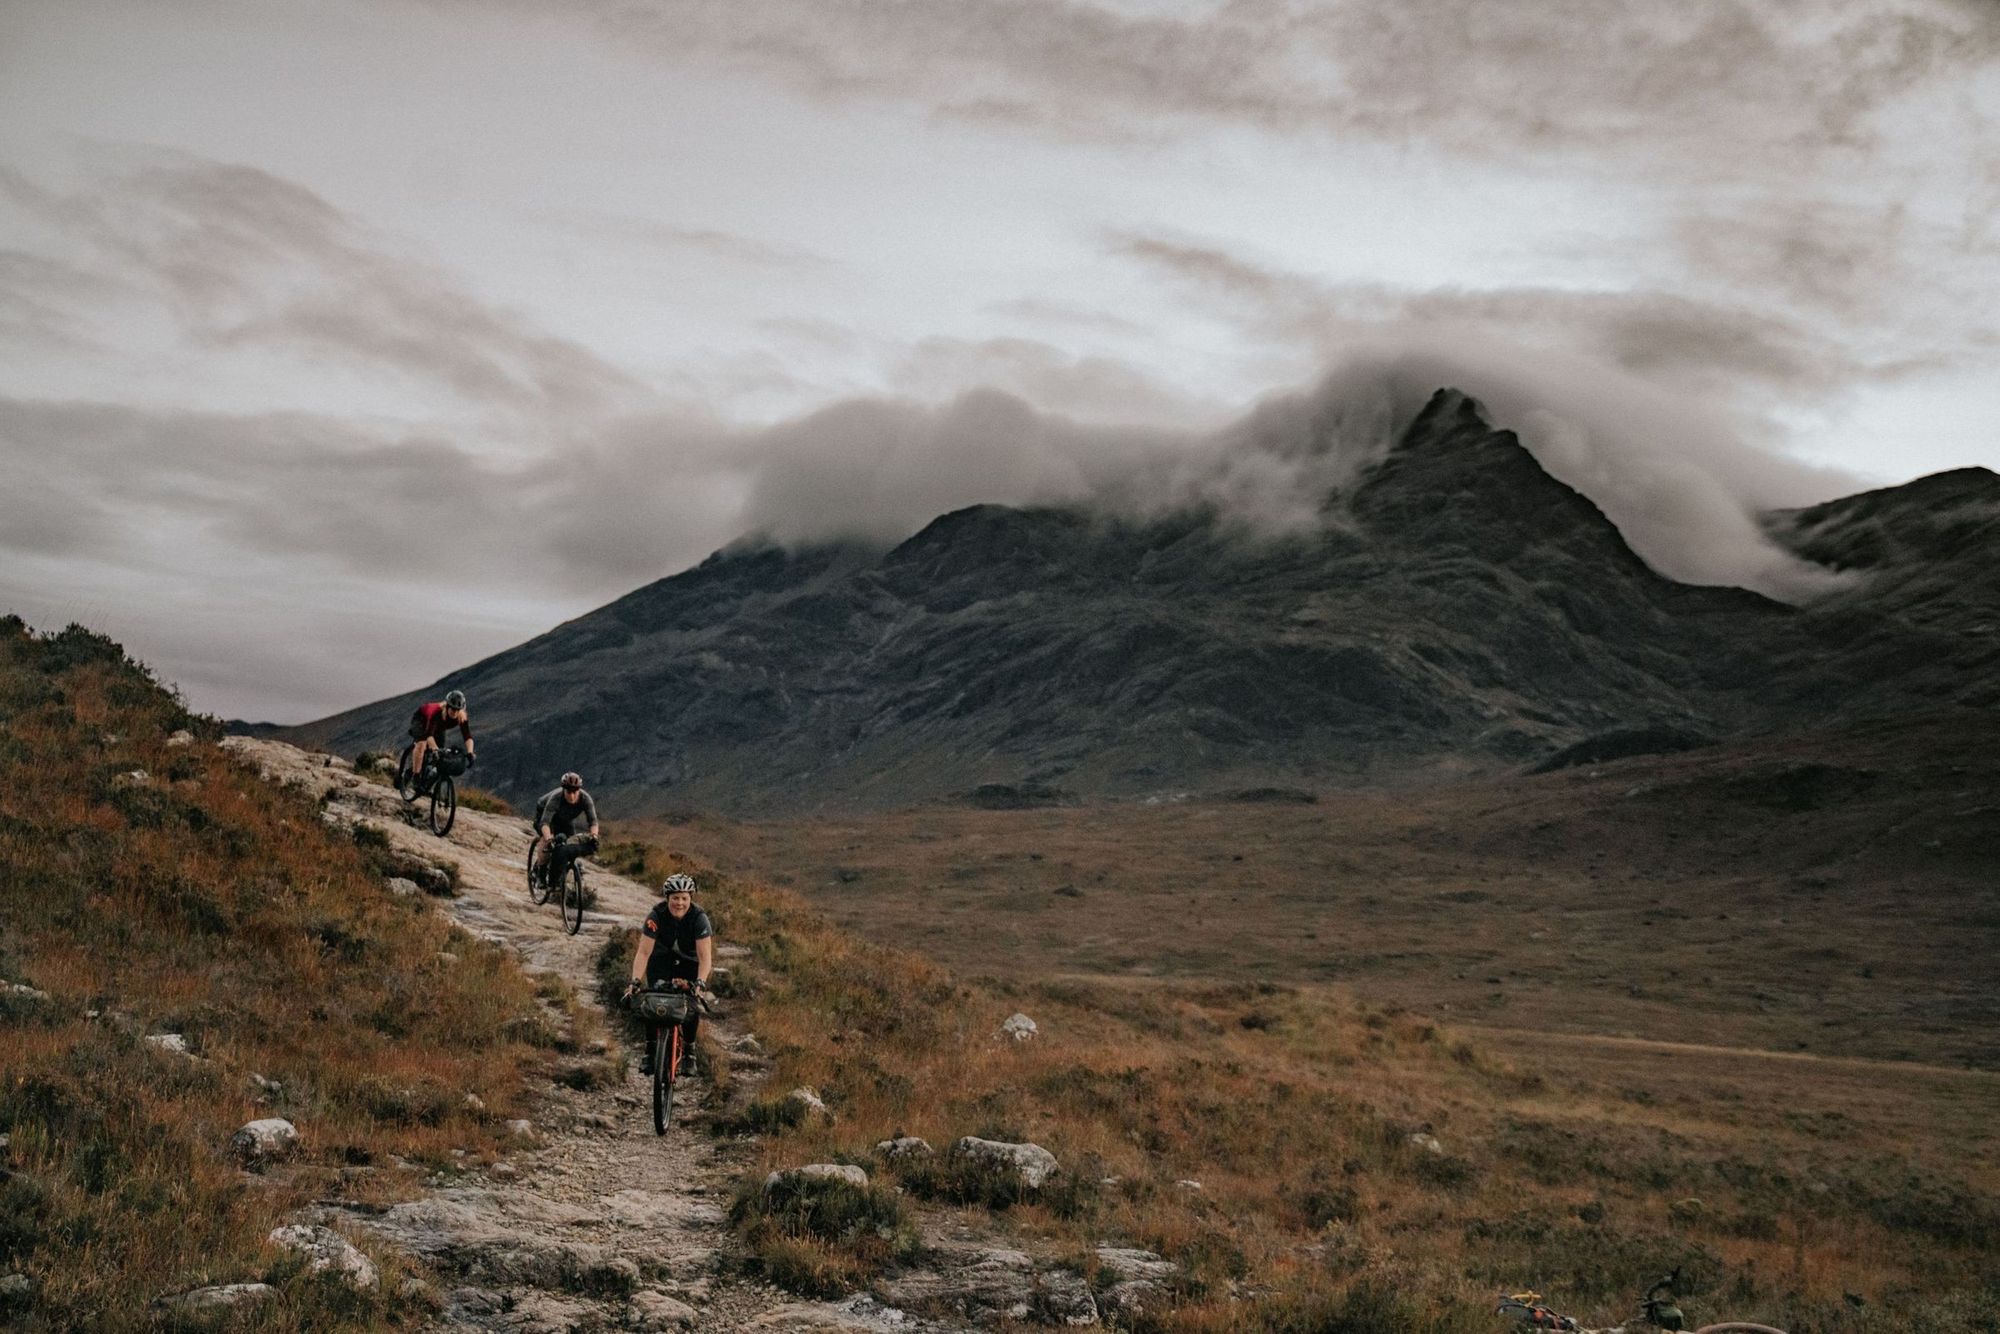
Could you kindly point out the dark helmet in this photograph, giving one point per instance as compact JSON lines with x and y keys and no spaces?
{"x":454,"y":699}
{"x":572,"y":781}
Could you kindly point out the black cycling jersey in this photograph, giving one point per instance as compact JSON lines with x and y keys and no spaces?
{"x":668,"y":935}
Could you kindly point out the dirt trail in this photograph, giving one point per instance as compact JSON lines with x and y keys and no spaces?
{"x":595,"y":1222}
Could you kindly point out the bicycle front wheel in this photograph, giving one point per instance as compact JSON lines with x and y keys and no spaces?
{"x":572,"y":899}
{"x":666,"y":1063}
{"x":406,"y":782}
{"x":444,"y":805}
{"x":538,"y":892}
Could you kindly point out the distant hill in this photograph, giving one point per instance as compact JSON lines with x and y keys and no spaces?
{"x":1461,"y":611}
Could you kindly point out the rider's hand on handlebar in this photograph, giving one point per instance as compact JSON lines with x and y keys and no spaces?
{"x":633,"y":987}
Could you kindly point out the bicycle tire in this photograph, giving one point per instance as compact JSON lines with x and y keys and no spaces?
{"x":666,"y":1064}
{"x":538,"y":892}
{"x":406,"y":782}
{"x":444,"y":804}
{"x":572,"y":899}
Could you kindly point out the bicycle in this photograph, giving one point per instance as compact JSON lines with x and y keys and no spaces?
{"x":441,"y":767}
{"x":666,"y":1004}
{"x":540,"y":888}
{"x":1658,"y":1309}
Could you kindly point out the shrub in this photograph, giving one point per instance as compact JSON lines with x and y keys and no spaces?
{"x":957,"y":1179}
{"x":479,"y":799}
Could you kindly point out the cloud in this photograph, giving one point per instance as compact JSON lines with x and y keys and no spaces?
{"x":1680,"y":483}
{"x":1087,"y":387}
{"x":1720,"y":348}
{"x":731,"y":247}
{"x":1475,"y":73}
{"x":42,"y":299}
{"x":1065,"y":315}
{"x":1651,"y":405}
{"x":239,"y":258}
{"x":313,"y":491}
{"x":879,"y":470}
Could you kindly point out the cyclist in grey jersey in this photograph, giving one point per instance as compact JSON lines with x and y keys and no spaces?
{"x":560,"y":812}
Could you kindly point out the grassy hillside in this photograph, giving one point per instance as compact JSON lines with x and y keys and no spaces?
{"x":149,"y":885}
{"x":1296,"y":1111}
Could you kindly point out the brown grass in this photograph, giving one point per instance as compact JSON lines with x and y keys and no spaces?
{"x":1295,"y":1107}
{"x":1718,"y":896}
{"x":206,"y":902}
{"x":479,"y":799}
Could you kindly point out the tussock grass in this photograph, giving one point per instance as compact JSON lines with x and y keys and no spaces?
{"x":1306,"y":1117}
{"x":201,"y":900}
{"x":823,"y":1236}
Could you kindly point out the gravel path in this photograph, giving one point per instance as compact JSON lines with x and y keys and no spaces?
{"x":595,"y":1222}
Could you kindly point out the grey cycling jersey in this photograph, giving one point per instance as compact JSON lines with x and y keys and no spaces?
{"x":561,"y":816}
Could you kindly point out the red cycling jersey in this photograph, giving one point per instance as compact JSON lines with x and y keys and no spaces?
{"x":429,"y":721}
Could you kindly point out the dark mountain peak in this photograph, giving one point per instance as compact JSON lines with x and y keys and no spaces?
{"x":1453,"y":479}
{"x":1446,"y":411}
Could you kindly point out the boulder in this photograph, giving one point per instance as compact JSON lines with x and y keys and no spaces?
{"x":132,"y":778}
{"x":653,"y":1309}
{"x":265,"y":1140}
{"x":795,"y":1177}
{"x":1429,"y":1143}
{"x":181,"y":738}
{"x":401,"y":886}
{"x":224,"y":1297}
{"x":168,"y":1042}
{"x":326,"y":1251}
{"x":24,"y":991}
{"x":1031,"y":1162}
{"x":858,"y":1314}
{"x":903,"y":1146}
{"x":989,"y":1285}
{"x":1135,"y":1297}
{"x":1130,"y":1262}
{"x":1018,"y":1027}
{"x":808,"y":1103}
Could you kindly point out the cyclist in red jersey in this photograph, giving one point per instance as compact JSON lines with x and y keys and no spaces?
{"x":429,"y":724}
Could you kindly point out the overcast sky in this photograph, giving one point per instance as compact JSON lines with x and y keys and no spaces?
{"x":346,"y":341}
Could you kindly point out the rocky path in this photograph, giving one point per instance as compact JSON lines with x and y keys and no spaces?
{"x":595,"y":1222}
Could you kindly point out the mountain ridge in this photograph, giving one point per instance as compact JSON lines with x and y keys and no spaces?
{"x":1459,"y":610}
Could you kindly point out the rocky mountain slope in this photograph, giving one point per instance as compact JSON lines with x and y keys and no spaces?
{"x":1460,"y":611}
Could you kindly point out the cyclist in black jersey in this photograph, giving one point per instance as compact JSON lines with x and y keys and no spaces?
{"x":677,"y":944}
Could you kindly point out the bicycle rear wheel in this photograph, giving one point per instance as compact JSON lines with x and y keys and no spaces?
{"x":538,"y":890}
{"x":444,"y":805}
{"x":572,"y":899}
{"x":666,"y":1063}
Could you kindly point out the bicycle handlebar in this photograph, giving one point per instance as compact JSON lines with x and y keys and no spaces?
{"x":699,"y":992}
